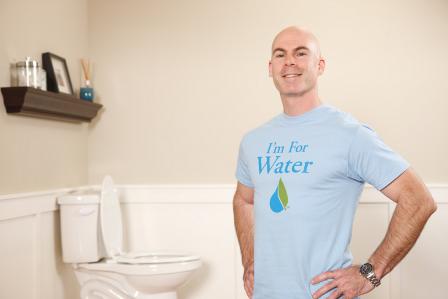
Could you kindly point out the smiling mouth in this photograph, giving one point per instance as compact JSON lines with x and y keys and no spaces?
{"x":291,"y":75}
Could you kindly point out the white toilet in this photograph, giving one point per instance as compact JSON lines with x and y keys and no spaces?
{"x":92,"y":235}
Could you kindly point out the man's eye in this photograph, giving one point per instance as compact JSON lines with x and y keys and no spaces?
{"x":279,"y":55}
{"x":301,"y":53}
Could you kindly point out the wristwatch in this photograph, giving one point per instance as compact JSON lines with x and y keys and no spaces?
{"x":366,"y":270}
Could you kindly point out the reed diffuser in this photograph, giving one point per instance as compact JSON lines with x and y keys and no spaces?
{"x":86,"y":92}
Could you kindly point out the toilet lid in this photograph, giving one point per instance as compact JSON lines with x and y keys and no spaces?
{"x":154,"y":258}
{"x":110,"y":215}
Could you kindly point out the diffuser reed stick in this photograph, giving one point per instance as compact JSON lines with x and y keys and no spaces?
{"x":86,"y":69}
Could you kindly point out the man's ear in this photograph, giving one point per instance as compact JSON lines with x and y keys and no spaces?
{"x":270,"y":68}
{"x":321,"y":67}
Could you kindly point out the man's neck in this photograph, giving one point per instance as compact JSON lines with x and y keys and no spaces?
{"x":296,"y":105}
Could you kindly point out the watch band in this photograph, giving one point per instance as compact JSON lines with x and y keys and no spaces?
{"x":375,"y":281}
{"x":366,"y":270}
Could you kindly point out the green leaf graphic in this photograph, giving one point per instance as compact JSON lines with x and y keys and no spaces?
{"x":282,"y":194}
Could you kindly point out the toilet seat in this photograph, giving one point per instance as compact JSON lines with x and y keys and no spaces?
{"x":154,"y":258}
{"x":111,"y":265}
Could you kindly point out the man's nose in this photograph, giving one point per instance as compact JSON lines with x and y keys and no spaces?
{"x":290,"y":60}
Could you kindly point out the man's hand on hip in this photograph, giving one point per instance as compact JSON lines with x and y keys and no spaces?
{"x":248,"y":278}
{"x":347,"y":282}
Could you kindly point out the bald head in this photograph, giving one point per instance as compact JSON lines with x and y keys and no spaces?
{"x":296,"y":34}
{"x":296,"y":63}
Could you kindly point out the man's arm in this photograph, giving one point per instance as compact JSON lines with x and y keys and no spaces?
{"x":243,"y":208}
{"x":414,"y":207}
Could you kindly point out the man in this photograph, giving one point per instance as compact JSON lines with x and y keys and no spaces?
{"x":299,"y":180}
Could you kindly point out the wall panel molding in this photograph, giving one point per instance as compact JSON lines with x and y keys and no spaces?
{"x":152,"y":209}
{"x":32,"y":203}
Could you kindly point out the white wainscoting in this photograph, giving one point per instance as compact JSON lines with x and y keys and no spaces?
{"x":199,"y":219}
{"x":30,"y":253}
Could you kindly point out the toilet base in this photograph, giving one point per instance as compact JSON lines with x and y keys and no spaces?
{"x":169,"y":295}
{"x":106,"y":285}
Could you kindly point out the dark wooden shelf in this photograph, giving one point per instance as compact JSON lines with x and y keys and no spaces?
{"x":38,"y":103}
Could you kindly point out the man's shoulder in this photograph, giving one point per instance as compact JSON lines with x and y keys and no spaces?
{"x":341,"y":118}
{"x":346,"y":125}
{"x":261,"y":129}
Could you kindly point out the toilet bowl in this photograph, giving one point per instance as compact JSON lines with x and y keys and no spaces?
{"x":92,"y":234}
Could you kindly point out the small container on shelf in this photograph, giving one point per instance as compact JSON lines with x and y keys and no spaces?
{"x":28,"y":73}
{"x":86,"y":91}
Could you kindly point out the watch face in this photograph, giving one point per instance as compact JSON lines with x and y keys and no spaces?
{"x":366,"y":269}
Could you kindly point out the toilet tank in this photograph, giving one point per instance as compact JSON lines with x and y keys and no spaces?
{"x":80,"y":232}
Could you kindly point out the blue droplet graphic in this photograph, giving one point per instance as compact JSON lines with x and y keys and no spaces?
{"x":275,"y":203}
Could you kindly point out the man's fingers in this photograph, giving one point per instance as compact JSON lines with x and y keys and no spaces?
{"x":249,"y":284}
{"x":324,"y":276}
{"x":247,"y":289}
{"x":336,"y":295}
{"x":248,"y":279}
{"x":249,"y":295}
{"x":324,"y":289}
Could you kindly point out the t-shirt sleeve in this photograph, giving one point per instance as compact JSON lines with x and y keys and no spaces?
{"x":242,"y":170}
{"x":372,"y":161}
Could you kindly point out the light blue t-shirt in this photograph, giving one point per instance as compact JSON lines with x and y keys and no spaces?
{"x":308,"y":172}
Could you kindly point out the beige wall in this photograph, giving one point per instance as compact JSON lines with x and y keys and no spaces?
{"x":37,"y":154}
{"x":183,"y":80}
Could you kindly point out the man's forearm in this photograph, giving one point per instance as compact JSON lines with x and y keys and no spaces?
{"x":244,"y":225}
{"x":404,"y":229}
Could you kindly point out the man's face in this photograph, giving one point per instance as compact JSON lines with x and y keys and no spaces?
{"x":295,"y":63}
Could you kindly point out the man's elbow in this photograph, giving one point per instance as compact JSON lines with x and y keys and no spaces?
{"x":238,"y":200}
{"x":423,"y":205}
{"x":430,"y":205}
{"x":433,"y":207}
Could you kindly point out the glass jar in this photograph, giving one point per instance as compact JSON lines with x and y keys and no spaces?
{"x":29,"y":74}
{"x":42,"y":79}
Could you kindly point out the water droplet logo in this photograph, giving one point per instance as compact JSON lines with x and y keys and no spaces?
{"x":279,"y":200}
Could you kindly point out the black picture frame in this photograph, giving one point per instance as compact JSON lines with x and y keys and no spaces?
{"x":58,"y":77}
